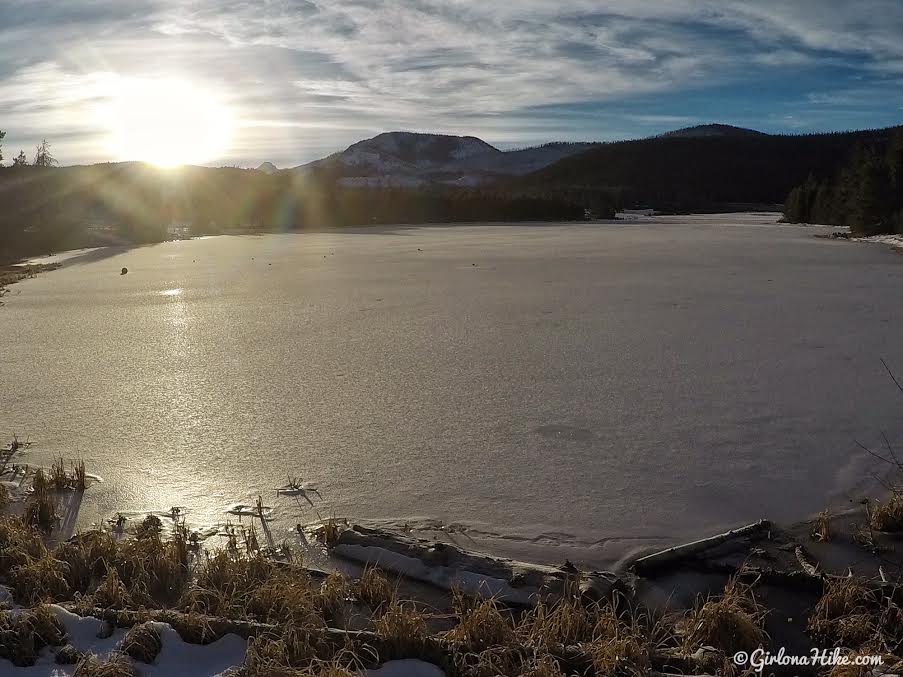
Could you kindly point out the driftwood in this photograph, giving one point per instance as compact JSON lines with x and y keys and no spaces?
{"x":654,"y":562}
{"x":445,"y":565}
{"x":809,"y":567}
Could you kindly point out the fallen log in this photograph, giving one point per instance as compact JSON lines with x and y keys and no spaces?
{"x":447,"y":566}
{"x":649,"y":564}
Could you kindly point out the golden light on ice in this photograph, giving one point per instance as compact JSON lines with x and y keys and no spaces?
{"x":166,"y":122}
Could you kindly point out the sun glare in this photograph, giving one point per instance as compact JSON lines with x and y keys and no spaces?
{"x":167,"y":123}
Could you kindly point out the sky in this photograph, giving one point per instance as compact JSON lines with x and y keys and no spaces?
{"x":299,"y":79}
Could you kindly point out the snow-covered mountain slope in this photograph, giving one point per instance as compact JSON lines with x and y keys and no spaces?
{"x":410,"y":159}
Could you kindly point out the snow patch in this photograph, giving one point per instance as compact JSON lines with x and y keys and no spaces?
{"x":895,"y":241}
{"x":177,"y":658}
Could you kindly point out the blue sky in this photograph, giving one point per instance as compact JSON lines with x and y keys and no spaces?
{"x":302,"y":78}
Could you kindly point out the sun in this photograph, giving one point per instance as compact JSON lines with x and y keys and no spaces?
{"x":166,"y":122}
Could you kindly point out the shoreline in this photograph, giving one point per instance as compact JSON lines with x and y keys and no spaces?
{"x":12,"y":273}
{"x":774,"y":582}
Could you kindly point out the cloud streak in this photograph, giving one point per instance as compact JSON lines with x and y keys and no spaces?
{"x":306,"y":77}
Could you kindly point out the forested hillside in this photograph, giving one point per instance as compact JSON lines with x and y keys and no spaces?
{"x":866,"y":193}
{"x":693,"y":172}
{"x":52,"y":208}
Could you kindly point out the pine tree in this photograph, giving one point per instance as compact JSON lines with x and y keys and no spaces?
{"x":20,"y":160}
{"x":42,"y":157}
{"x":895,"y":165}
{"x":872,"y":202}
{"x":793,"y":206}
{"x":823,"y":210}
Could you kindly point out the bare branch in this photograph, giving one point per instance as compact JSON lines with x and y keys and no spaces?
{"x":893,"y":378}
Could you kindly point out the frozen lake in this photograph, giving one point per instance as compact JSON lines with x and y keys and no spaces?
{"x":580,"y":391}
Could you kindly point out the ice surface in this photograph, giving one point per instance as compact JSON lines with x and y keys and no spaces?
{"x":716,"y":369}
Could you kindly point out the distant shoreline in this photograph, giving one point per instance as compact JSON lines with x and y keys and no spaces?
{"x":16,"y":272}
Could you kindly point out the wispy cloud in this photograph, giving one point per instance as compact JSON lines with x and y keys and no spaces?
{"x":306,"y":77}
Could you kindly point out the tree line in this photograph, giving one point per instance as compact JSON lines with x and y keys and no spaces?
{"x":42,"y":157}
{"x":866,"y":193}
{"x":49,"y":208}
{"x":703,"y":173}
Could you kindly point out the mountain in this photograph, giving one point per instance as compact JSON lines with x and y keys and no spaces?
{"x":267,"y":168}
{"x":704,"y":167}
{"x":408,"y":159}
{"x":711,"y":130}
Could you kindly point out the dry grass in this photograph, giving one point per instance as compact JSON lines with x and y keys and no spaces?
{"x":821,"y":527}
{"x":115,"y":665}
{"x":490,"y":662}
{"x":288,"y":654}
{"x":79,"y":476}
{"x":374,"y":590}
{"x":286,"y":598}
{"x":542,"y":666}
{"x":567,"y":622}
{"x":89,"y":556}
{"x":732,"y":622}
{"x":335,"y":597}
{"x":40,"y":579}
{"x":111,"y":593}
{"x":23,"y":634}
{"x":150,"y":527}
{"x":57,"y":476}
{"x":40,"y":510}
{"x":482,"y":627}
{"x":625,"y":641}
{"x":4,"y":496}
{"x":887,"y":515}
{"x":158,"y":571}
{"x":21,"y":544}
{"x":851,"y":614}
{"x":404,"y":628}
{"x":142,"y":642}
{"x":68,"y":655}
{"x":844,"y":614}
{"x":192,"y":628}
{"x":328,"y":533}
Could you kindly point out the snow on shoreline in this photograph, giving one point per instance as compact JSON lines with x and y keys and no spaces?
{"x":895,"y":241}
{"x":177,"y":658}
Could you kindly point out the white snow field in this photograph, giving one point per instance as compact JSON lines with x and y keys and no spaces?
{"x":541,"y":391}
